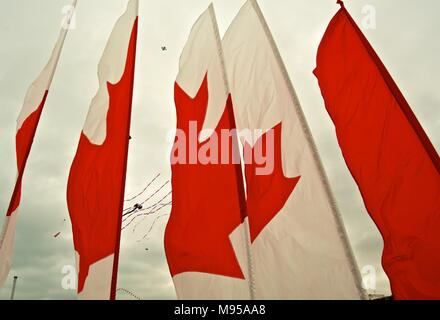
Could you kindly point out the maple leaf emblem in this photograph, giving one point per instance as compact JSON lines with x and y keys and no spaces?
{"x":206,"y":200}
{"x":266,"y":193}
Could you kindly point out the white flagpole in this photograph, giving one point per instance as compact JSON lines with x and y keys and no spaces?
{"x":336,"y":214}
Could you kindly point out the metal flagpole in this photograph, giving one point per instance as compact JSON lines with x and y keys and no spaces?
{"x":14,"y":284}
{"x":337,"y":216}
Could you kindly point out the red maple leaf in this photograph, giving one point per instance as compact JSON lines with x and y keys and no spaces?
{"x":207,"y":205}
{"x":208,"y":201}
{"x":266,"y":193}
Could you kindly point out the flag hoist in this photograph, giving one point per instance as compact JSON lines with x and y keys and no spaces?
{"x":27,"y":124}
{"x":96,"y":184}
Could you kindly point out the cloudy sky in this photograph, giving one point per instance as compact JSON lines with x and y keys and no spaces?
{"x":406,"y":38}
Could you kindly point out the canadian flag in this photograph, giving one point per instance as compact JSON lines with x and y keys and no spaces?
{"x":299,"y":248}
{"x":204,"y":242}
{"x":389,"y":155}
{"x":96,"y":183}
{"x":27,"y":124}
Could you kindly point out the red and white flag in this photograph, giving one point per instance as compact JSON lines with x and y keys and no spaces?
{"x":27,"y":124}
{"x":96,"y":183}
{"x":298,"y":242}
{"x":389,"y":155}
{"x":204,"y":242}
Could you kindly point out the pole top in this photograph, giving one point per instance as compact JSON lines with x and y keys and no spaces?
{"x":15,"y":277}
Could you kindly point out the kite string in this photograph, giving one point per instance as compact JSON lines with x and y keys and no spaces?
{"x":129,"y":293}
{"x":143,"y":190}
{"x":162,"y":205}
{"x":154,"y":222}
{"x":154,"y":193}
{"x":138,"y":207}
{"x":148,"y":213}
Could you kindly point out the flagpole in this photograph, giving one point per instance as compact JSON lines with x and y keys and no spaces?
{"x":121,"y":206}
{"x":336,"y":214}
{"x":239,"y":169}
{"x":14,"y":285}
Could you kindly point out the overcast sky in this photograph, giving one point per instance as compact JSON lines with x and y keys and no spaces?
{"x":406,"y":38}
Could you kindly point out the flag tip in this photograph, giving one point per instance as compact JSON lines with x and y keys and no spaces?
{"x":211,"y":8}
{"x":341,"y":3}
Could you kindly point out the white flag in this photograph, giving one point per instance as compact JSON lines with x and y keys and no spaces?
{"x":204,"y":239}
{"x":27,"y":124}
{"x":95,"y":189}
{"x":298,"y":243}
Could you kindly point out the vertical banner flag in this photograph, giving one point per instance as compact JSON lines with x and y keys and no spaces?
{"x":95,"y":189}
{"x":205,"y":242}
{"x":389,"y":155}
{"x":27,"y":124}
{"x":299,"y":246}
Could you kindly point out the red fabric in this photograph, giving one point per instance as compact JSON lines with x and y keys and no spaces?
{"x":207,"y":203}
{"x":266,"y":194}
{"x":23,"y":144}
{"x":96,"y":183}
{"x":389,"y":155}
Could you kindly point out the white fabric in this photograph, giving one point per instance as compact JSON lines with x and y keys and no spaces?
{"x":110,"y":70}
{"x":36,"y":91}
{"x":98,"y":282}
{"x":302,"y":253}
{"x":198,"y":285}
{"x":201,"y":55}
